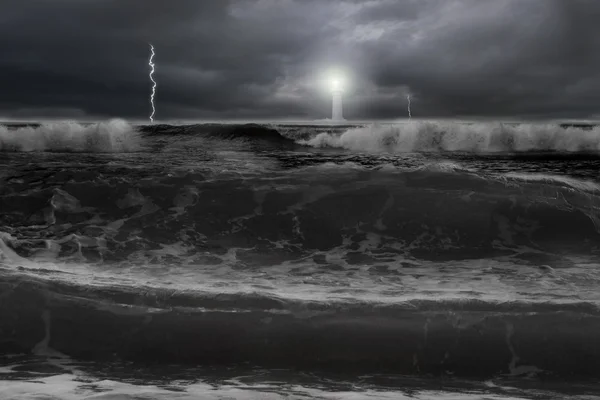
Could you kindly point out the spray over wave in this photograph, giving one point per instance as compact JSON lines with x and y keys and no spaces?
{"x":105,"y":137}
{"x":462,"y":137}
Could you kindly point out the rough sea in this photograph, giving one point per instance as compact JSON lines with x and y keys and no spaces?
{"x":418,"y":260}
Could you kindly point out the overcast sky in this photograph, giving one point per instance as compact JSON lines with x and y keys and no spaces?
{"x":260,"y":59}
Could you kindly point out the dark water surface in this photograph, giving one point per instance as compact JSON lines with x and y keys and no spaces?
{"x":423,"y":260}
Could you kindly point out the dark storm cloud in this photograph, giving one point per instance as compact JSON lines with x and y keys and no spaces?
{"x":266,"y":58}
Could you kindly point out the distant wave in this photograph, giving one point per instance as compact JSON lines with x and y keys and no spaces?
{"x":105,"y":137}
{"x":249,"y":132}
{"x":454,"y":136}
{"x":119,"y":136}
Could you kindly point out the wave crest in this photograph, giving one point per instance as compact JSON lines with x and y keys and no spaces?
{"x":248,"y":132}
{"x":453,"y":136}
{"x":104,"y":137}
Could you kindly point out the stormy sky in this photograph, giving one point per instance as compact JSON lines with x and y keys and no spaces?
{"x":261,"y":59}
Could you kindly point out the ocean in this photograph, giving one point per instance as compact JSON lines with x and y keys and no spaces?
{"x":416,"y":260}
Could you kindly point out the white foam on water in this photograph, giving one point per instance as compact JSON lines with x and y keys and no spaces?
{"x":104,"y":137}
{"x":81,"y":387}
{"x":557,"y":180}
{"x":457,"y":136}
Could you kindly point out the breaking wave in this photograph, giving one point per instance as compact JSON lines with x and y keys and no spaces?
{"x":104,"y":137}
{"x":463,"y":137}
{"x":119,"y":136}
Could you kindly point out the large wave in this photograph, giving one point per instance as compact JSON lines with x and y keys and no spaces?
{"x":104,"y":137}
{"x":455,"y":136}
{"x":466,"y":338}
{"x":431,"y":212}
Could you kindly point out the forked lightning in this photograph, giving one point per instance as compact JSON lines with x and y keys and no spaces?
{"x":151,"y":64}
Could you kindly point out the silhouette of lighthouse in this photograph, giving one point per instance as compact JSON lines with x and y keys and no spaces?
{"x":336,"y":109}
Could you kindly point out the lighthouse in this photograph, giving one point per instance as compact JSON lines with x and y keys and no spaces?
{"x":337,"y":113}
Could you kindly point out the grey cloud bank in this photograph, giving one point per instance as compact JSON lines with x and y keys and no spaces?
{"x":253,"y":59}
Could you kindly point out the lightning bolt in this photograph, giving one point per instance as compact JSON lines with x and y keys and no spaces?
{"x":151,"y":64}
{"x":408,"y":99}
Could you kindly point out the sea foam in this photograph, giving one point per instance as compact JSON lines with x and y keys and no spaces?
{"x":104,"y":137}
{"x":456,"y":136}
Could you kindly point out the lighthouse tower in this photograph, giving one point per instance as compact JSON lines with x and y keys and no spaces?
{"x":336,"y":109}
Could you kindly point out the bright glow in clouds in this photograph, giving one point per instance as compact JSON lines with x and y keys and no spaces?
{"x":336,"y":85}
{"x":335,"y":80}
{"x":151,"y":64}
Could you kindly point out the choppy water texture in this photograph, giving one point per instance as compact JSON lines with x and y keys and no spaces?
{"x":432,"y":260}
